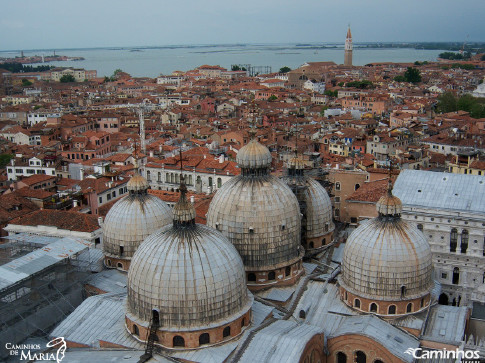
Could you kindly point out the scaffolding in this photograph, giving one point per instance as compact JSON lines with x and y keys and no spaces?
{"x":41,"y":288}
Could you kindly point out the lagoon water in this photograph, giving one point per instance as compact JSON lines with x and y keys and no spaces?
{"x":153,"y":61}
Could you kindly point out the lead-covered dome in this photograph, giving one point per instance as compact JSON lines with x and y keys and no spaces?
{"x":130,"y":220}
{"x":253,"y":155}
{"x":387,"y":259}
{"x":192,"y":279}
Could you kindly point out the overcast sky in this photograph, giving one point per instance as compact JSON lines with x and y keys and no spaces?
{"x":33,"y":24}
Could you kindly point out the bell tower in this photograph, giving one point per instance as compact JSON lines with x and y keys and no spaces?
{"x":348,"y":49}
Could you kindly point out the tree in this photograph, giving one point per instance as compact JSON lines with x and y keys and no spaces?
{"x":26,"y":82}
{"x":412,"y":75}
{"x":285,"y":69}
{"x":67,"y":78}
{"x":400,"y":78}
{"x":272,"y":98}
{"x":447,"y":102}
{"x":4,"y":160}
{"x":330,"y":93}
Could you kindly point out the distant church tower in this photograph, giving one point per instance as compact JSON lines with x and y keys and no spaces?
{"x":348,"y":49}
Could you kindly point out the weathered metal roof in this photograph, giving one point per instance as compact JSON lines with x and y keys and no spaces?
{"x":446,"y":324}
{"x":441,"y":190}
{"x":92,"y":319}
{"x":40,"y":259}
{"x":193,"y":276}
{"x":282,"y":341}
{"x":84,"y":355}
{"x":111,"y":281}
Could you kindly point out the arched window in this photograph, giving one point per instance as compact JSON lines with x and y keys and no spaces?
{"x":204,"y":339}
{"x":190,"y":180}
{"x":464,"y":241}
{"x":443,"y":299}
{"x":120,"y":265}
{"x":360,"y":357}
{"x":453,"y":239}
{"x":311,"y":244}
{"x":167,"y":178}
{"x":148,"y":175}
{"x":357,"y":186}
{"x":409,"y":308}
{"x":178,"y":341}
{"x":341,"y":357}
{"x":243,"y":322}
{"x":210,"y":181}
{"x":226,"y":332}
{"x":422,"y":302}
{"x":135,"y":330}
{"x":159,"y":176}
{"x":420,"y":227}
{"x":219,"y":182}
{"x":378,"y":361}
{"x":391,"y":310}
{"x":373,"y":308}
{"x":403,"y":291}
{"x":155,"y":317}
{"x":287,"y":271}
{"x":456,"y":276}
{"x":121,"y":250}
{"x":326,"y":227}
{"x":251,"y":277}
{"x":108,"y":262}
{"x":357,"y":303}
{"x":271,"y":275}
{"x":324,"y":241}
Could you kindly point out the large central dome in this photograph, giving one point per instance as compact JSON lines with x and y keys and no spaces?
{"x":260,"y":215}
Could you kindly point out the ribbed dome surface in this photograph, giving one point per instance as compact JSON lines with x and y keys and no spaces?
{"x":318,"y":209}
{"x":254,"y":155}
{"x":384,"y":254}
{"x":388,"y":204}
{"x":137,"y":182}
{"x":261,"y":217}
{"x":192,"y":275}
{"x":130,"y":220}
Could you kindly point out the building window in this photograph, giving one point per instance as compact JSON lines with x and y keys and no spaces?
{"x":226,"y":332}
{"x":456,"y":276}
{"x":373,"y":308}
{"x":219,"y":182}
{"x":178,"y":341}
{"x":357,"y":303}
{"x":409,"y":308}
{"x":444,"y":275}
{"x":271,"y":275}
{"x":464,"y":241}
{"x":337,"y":186}
{"x":100,"y":199}
{"x":403,"y":291}
{"x":337,"y":199}
{"x":420,"y":227}
{"x":287,"y":271}
{"x":357,"y":186}
{"x":204,"y":339}
{"x":135,"y":330}
{"x":360,"y":357}
{"x":120,"y":265}
{"x":341,"y":357}
{"x":453,"y":239}
{"x":391,"y":310}
{"x":251,"y":277}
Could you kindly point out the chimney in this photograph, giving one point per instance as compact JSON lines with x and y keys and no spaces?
{"x":192,"y":199}
{"x":81,"y":172}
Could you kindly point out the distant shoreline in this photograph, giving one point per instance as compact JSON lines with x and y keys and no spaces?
{"x":281,"y":46}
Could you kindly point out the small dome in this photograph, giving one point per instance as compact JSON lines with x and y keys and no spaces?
{"x":261,"y":217}
{"x":254,"y":155}
{"x":137,"y":183}
{"x":133,"y":218}
{"x":389,"y":205}
{"x":296,"y":163}
{"x":192,"y":275}
{"x":384,"y":257}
